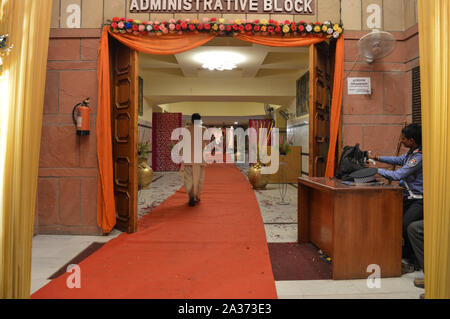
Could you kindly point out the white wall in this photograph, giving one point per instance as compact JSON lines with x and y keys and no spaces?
{"x":298,"y":133}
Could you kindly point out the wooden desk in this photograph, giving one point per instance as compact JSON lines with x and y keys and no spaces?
{"x":355,"y":225}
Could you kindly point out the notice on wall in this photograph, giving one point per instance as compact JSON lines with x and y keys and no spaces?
{"x":305,"y":7}
{"x":359,"y":86}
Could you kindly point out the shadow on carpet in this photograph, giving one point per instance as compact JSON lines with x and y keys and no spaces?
{"x":92,"y":248}
{"x":294,"y":261}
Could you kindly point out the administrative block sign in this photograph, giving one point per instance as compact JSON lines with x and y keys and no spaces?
{"x":359,"y":86}
{"x":305,"y":7}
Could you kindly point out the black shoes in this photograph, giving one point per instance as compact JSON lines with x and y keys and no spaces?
{"x":193,"y":201}
{"x":407,"y":266}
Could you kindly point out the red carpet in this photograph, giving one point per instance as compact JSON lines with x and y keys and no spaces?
{"x":216,"y":249}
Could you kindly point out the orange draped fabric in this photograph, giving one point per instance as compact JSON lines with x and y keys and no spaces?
{"x":169,"y":44}
{"x":336,"y":105}
{"x":279,"y":41}
{"x":173,"y":44}
{"x":106,"y":207}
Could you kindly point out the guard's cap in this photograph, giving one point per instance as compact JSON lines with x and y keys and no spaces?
{"x":364,"y":175}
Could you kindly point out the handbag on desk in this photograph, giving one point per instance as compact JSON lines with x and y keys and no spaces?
{"x":352,"y":160}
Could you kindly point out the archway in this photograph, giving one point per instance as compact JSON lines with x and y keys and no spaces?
{"x":117,"y":190}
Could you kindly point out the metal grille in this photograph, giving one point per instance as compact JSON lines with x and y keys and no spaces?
{"x":416,"y":98}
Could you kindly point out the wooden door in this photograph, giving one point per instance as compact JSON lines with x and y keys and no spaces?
{"x":320,"y":92}
{"x":124,"y":118}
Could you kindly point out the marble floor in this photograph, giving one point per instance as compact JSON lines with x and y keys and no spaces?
{"x":50,"y":252}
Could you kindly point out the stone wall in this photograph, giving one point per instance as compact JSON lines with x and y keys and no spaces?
{"x":375,"y":120}
{"x":395,"y":15}
{"x":67,"y":183}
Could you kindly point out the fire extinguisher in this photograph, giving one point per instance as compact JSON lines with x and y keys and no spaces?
{"x":80,"y":116}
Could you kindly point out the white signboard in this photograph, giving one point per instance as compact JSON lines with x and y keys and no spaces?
{"x":359,"y":86}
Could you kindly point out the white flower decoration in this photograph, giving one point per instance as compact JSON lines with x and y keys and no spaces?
{"x":336,"y":35}
{"x":330,"y":31}
{"x":149,"y":27}
{"x":309,"y":28}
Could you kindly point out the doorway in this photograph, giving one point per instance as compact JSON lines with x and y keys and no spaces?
{"x":124,"y":97}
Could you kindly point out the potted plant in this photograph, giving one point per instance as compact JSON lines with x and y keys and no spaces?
{"x":285,"y":146}
{"x":145,"y":172}
{"x":255,"y":176}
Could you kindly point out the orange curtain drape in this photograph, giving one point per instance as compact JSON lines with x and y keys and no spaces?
{"x":161,"y":45}
{"x":173,"y":44}
{"x":336,"y":105}
{"x":106,"y":211}
{"x":279,"y":41}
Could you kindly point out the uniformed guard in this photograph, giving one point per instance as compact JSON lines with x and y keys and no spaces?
{"x":411,"y":179}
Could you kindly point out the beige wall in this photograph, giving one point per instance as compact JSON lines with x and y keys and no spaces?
{"x":269,"y":87}
{"x":218,"y":108}
{"x":394,"y":15}
{"x":147,"y":116}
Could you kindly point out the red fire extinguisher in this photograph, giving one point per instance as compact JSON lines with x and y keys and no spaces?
{"x":80,"y":116}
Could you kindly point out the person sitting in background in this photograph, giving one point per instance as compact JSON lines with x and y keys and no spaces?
{"x":415,"y":235}
{"x":410,"y":176}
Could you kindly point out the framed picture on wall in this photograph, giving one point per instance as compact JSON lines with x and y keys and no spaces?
{"x":141,"y":96}
{"x":302,"y":106}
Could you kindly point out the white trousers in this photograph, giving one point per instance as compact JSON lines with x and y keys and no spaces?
{"x":193,"y":179}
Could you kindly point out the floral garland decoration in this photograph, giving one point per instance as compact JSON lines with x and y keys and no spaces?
{"x":218,"y":26}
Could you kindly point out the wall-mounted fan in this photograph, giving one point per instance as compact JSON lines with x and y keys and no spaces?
{"x":284,"y":114}
{"x":376,"y":45}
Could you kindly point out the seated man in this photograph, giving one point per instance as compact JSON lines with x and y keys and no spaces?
{"x":415,"y":235}
{"x":410,"y":177}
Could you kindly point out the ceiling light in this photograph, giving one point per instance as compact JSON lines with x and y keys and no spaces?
{"x":219,"y":60}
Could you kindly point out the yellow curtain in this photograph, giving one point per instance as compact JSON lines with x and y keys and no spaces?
{"x":22,"y":83}
{"x":434,"y":18}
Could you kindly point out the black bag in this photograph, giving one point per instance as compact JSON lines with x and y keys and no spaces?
{"x":352,"y":159}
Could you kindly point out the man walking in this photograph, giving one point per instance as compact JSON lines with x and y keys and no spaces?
{"x":192,"y":172}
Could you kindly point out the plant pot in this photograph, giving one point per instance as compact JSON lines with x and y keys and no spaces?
{"x":145,"y":174}
{"x":256,"y":178}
